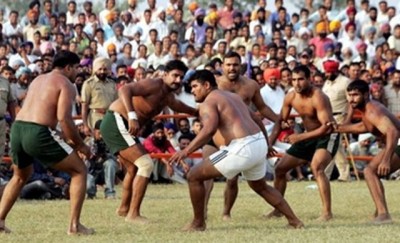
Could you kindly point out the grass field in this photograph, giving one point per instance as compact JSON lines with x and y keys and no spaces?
{"x":169,"y":208}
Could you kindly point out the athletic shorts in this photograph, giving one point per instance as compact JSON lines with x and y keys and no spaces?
{"x":114,"y":131}
{"x":305,"y":149}
{"x":30,"y":140}
{"x":244,"y":155}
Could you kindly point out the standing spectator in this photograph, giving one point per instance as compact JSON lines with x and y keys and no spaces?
{"x":72,"y":14}
{"x":199,"y":26}
{"x":146,"y":25}
{"x":19,"y":89}
{"x":378,"y":94}
{"x":109,"y":7}
{"x":392,"y":93}
{"x":33,"y":26}
{"x":7,"y":103}
{"x":98,"y":92}
{"x":335,"y":88}
{"x":394,"y":40}
{"x":319,"y":41}
{"x":44,"y":18}
{"x":178,"y":25}
{"x":184,"y":128}
{"x":12,"y":27}
{"x":225,"y":15}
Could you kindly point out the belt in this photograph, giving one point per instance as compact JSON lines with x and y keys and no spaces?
{"x":1,"y":118}
{"x":99,"y":110}
{"x":337,"y":113}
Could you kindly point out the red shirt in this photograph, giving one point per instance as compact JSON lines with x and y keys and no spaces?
{"x":319,"y":45}
{"x":152,"y":148}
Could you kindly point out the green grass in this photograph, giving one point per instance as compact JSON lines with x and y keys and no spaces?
{"x":169,"y":208}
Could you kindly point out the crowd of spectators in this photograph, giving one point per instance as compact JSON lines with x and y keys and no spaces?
{"x":118,"y":46}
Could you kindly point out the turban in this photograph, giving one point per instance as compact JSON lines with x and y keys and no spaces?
{"x":271,"y":73}
{"x":290,"y":59}
{"x":100,"y":62}
{"x":131,"y":72}
{"x":304,"y":30}
{"x":199,"y":12}
{"x":86,"y":62}
{"x":32,"y":14}
{"x":111,"y":16}
{"x":193,"y":6}
{"x":46,"y":45}
{"x":21,"y":71}
{"x":213,"y":15}
{"x":351,"y":10}
{"x":348,"y":25}
{"x":331,"y":66}
{"x":370,"y":30}
{"x":328,"y":46}
{"x":334,"y":25}
{"x":321,"y":27}
{"x":360,"y":45}
{"x":111,"y":47}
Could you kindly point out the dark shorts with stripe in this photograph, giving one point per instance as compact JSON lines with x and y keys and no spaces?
{"x":305,"y":149}
{"x":31,"y":141}
{"x":114,"y":131}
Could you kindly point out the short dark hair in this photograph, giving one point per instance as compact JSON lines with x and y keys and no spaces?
{"x":359,"y":85}
{"x":175,"y":64}
{"x":302,"y":69}
{"x":203,"y":76}
{"x":232,"y":54}
{"x":157,"y":126}
{"x":185,"y":136}
{"x":65,"y":58}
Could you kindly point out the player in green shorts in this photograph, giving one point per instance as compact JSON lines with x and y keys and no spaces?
{"x":315,"y":145}
{"x":138,"y":103}
{"x":49,"y":102}
{"x":376,"y":119}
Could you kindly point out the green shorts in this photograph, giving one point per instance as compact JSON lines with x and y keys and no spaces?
{"x":305,"y":149}
{"x":30,"y":140}
{"x":114,"y":131}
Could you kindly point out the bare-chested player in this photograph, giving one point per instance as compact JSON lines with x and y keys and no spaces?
{"x":249,"y":90}
{"x":378,"y":120}
{"x":316,"y":144}
{"x":137,"y":104}
{"x":228,"y":120}
{"x":48,"y":102}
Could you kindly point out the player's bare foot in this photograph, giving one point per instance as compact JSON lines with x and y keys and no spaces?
{"x":325,"y":218}
{"x":295,"y":225}
{"x":382,"y":219}
{"x":122,"y":211}
{"x":80,"y":230}
{"x":274,"y":214}
{"x":137,"y":220}
{"x":3,"y":228}
{"x":226,"y":217}
{"x":193,"y":227}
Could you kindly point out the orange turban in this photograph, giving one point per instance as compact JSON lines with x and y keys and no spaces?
{"x":111,"y":15}
{"x":213,"y":15}
{"x":321,"y":27}
{"x":32,"y":14}
{"x":193,"y":6}
{"x":271,"y":73}
{"x":111,"y":47}
{"x":334,"y":25}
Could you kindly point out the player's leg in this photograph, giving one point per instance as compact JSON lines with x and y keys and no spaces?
{"x":209,"y":184}
{"x":230,"y":195}
{"x":127,"y":183}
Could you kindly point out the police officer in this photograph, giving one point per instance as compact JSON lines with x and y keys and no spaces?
{"x":7,"y":103}
{"x":98,"y":92}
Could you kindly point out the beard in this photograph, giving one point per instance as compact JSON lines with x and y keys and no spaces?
{"x":159,"y":142}
{"x":101,"y":76}
{"x":359,"y":105}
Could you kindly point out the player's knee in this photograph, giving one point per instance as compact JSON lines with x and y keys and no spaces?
{"x":145,"y":166}
{"x":368,"y":172}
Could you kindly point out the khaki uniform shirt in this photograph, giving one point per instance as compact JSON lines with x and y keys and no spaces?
{"x":336,"y":92}
{"x":98,"y":94}
{"x":393,"y":99}
{"x":5,"y":96}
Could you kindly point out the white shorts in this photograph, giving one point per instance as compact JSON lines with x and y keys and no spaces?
{"x":244,"y":155}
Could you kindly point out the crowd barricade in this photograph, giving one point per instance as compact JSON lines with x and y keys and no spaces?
{"x":7,"y":159}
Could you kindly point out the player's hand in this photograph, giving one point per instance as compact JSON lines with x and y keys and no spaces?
{"x":85,"y":151}
{"x":87,"y":130}
{"x":271,"y":152}
{"x":133,"y":127}
{"x":177,"y":157}
{"x":334,"y":125}
{"x":170,"y":170}
{"x":293,"y":138}
{"x":59,"y":181}
{"x":384,"y":168}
